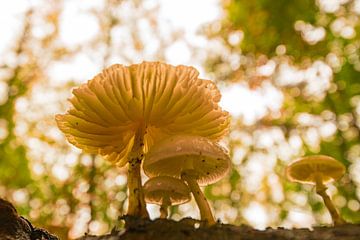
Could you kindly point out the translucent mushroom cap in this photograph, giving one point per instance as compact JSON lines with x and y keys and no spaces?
{"x":177,"y":154}
{"x":158,"y":188}
{"x":305,"y":169}
{"x":156,"y":98}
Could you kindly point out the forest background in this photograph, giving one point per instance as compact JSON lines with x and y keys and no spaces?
{"x":289,"y":73}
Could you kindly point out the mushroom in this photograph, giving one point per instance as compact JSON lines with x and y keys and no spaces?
{"x":195,"y":159}
{"x":122,"y":111}
{"x":166,"y":191}
{"x":318,"y":170}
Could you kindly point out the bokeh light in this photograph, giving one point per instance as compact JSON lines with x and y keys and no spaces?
{"x":290,"y":94}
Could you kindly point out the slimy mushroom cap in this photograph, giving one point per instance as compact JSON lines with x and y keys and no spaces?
{"x":186,"y":153}
{"x":305,"y":169}
{"x":158,"y":188}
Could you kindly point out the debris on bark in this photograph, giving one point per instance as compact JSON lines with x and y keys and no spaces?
{"x":188,"y":229}
{"x":15,"y":227}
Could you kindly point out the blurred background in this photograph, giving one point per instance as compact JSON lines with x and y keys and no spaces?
{"x":289,"y":73}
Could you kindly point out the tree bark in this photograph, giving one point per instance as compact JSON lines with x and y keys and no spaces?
{"x":15,"y":227}
{"x":187,"y":229}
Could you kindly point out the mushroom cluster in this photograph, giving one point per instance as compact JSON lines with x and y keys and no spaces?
{"x":167,"y":120}
{"x":195,"y":159}
{"x":318,"y":170}
{"x":124,"y":110}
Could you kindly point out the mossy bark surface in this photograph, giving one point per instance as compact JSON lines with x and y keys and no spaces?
{"x":14,"y":227}
{"x":188,"y":229}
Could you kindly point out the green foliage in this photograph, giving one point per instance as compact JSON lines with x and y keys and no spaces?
{"x":279,"y":31}
{"x":14,"y":170}
{"x":268,"y":24}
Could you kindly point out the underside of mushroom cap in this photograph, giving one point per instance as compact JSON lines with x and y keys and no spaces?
{"x":304,"y":170}
{"x":158,"y":188}
{"x":165,"y":100}
{"x":177,"y":154}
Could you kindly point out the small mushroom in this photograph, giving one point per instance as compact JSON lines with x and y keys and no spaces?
{"x":195,"y":159}
{"x":318,"y":170}
{"x":166,"y":191}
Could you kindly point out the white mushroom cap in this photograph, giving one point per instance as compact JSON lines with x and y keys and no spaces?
{"x":158,"y":188}
{"x":304,"y":169}
{"x":172,"y":156}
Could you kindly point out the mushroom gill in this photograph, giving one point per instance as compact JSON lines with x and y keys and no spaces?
{"x":124,"y":110}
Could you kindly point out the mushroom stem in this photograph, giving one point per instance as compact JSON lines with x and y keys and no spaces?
{"x":137,"y":205}
{"x":205,"y":211}
{"x":321,"y":190}
{"x":164,"y":207}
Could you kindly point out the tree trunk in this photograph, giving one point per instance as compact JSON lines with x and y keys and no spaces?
{"x":188,"y":229}
{"x":15,"y":227}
